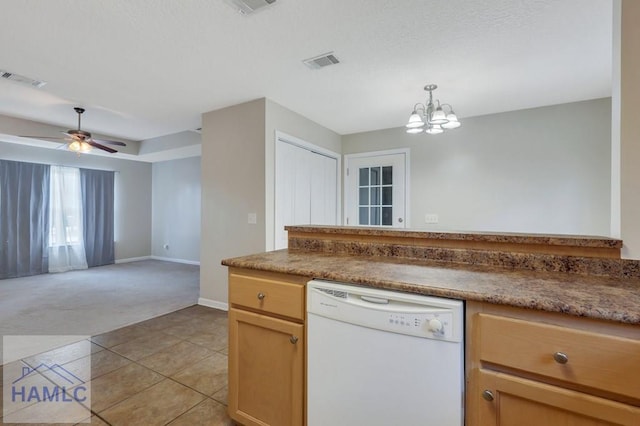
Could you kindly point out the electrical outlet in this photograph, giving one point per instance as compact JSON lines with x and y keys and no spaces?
{"x":430,"y":218}
{"x":253,"y":218}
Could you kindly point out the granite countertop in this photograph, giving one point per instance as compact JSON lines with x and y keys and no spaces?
{"x":519,"y":238}
{"x":599,"y":297}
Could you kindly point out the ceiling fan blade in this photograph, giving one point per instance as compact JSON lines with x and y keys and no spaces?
{"x":109,"y":142}
{"x":40,"y":137}
{"x":69,"y":135}
{"x":102,"y":147}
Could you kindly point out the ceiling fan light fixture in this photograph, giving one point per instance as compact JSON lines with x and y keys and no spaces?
{"x":79,"y":147}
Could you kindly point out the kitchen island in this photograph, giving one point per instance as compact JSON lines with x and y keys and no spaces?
{"x":514,"y":285}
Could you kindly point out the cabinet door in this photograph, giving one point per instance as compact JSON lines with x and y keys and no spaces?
{"x":266,"y":370}
{"x":514,"y":401}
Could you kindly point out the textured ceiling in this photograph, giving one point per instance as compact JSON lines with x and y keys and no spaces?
{"x":145,"y":68}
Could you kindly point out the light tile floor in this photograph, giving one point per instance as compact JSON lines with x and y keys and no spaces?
{"x":167,"y":370}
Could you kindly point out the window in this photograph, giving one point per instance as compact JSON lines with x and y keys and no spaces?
{"x":65,"y":214}
{"x":375,"y":189}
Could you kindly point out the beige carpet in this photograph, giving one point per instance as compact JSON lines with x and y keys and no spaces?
{"x":95,"y":300}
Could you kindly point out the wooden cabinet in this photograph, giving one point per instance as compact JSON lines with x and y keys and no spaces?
{"x":512,"y":400}
{"x":266,"y":348}
{"x":534,"y":368}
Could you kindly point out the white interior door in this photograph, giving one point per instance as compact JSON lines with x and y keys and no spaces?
{"x":306,"y":189}
{"x":375,"y":189}
{"x":324,"y":181}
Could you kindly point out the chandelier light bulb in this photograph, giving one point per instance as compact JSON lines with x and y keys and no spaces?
{"x":438,"y":117}
{"x":453,"y":122}
{"x":415,"y":120}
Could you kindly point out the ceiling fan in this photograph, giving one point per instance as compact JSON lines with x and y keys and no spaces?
{"x":81,"y":141}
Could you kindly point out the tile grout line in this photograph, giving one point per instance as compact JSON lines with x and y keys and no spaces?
{"x":163,"y":376}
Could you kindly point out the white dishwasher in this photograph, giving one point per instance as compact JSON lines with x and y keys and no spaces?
{"x":377,"y":357}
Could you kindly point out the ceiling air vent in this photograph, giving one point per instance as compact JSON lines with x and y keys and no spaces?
{"x":247,"y":7}
{"x":22,"y":79}
{"x":321,"y":61}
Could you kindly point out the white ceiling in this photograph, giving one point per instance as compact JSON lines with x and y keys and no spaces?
{"x":146,"y":68}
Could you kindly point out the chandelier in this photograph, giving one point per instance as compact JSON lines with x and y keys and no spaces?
{"x":432,"y":118}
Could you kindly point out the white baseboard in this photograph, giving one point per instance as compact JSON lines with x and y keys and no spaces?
{"x":171,"y":259}
{"x":223,"y":306}
{"x":133,"y":259}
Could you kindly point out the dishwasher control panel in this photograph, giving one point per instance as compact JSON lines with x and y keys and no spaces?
{"x":431,"y":324}
{"x":415,"y":315}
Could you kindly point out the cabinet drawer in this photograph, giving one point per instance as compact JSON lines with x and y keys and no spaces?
{"x":593,"y":360}
{"x":516,"y":401}
{"x":267,"y":295}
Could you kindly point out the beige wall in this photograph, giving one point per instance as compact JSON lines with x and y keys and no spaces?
{"x":176,"y":209}
{"x":233,"y":182}
{"x":279,"y":118}
{"x":630,"y":129}
{"x":540,"y":170}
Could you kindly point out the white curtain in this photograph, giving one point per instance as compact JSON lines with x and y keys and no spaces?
{"x":66,"y":242}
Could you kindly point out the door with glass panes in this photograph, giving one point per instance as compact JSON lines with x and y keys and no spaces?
{"x":375,"y":190}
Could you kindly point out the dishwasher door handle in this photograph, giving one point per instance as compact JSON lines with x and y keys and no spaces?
{"x":376,"y":300}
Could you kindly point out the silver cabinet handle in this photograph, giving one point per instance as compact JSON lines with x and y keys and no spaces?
{"x":561,"y":358}
{"x":487,"y":395}
{"x":261,"y":296}
{"x":400,"y":220}
{"x":293,"y":340}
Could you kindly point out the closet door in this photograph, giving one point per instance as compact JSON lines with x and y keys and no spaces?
{"x":293,"y":183}
{"x":305,"y":189}
{"x":324,"y":176}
